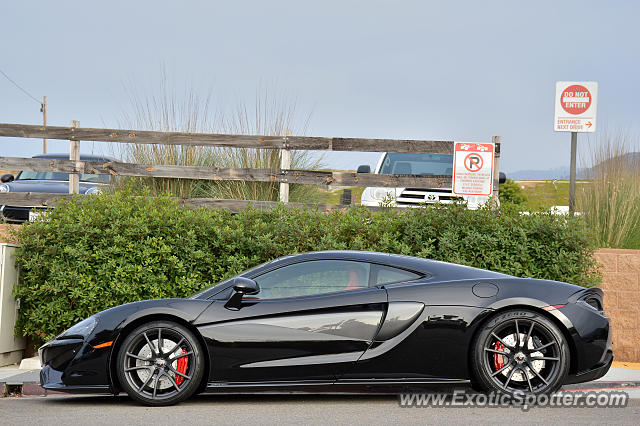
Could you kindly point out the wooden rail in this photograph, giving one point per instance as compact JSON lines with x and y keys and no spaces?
{"x":284,"y":175}
{"x":312,"y":177}
{"x":32,"y":199}
{"x":222,"y":140}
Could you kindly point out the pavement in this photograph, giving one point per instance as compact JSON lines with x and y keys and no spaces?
{"x":24,"y":404}
{"x":292,"y":409}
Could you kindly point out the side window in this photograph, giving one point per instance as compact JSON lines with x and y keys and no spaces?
{"x":313,"y":277}
{"x":388,"y":275}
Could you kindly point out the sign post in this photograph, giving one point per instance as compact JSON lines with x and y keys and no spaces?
{"x":575,"y":111}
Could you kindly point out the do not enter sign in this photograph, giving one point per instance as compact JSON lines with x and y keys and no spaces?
{"x":576,"y":106}
{"x":473,"y":168}
{"x":575,"y":99}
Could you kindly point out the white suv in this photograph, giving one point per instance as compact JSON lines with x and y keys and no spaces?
{"x":416,"y":164}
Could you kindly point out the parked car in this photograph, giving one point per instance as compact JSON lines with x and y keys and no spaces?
{"x":340,"y":320}
{"x":416,"y":164}
{"x":48,"y":182}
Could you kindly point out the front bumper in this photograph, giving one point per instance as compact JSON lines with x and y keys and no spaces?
{"x":394,"y":203}
{"x":52,"y":379}
{"x":15,"y":214}
{"x":397,"y":203}
{"x":73,"y":365}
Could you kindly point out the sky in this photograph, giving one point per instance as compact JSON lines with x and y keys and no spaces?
{"x":443,"y":70}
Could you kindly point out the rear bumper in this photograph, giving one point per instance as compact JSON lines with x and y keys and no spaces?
{"x":590,"y":342}
{"x":593,"y":374}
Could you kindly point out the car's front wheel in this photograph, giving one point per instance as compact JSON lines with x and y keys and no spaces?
{"x":160,"y":363}
{"x":520,"y":351}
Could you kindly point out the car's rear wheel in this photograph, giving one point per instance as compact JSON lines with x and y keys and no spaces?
{"x":160,"y":363}
{"x":520,"y":351}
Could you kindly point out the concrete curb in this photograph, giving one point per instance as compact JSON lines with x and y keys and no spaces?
{"x":34,"y":389}
{"x":601,"y":385}
{"x":25,"y":389}
{"x":21,"y":382}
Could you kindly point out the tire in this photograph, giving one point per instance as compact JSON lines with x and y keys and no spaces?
{"x":535,"y":363}
{"x":160,"y":363}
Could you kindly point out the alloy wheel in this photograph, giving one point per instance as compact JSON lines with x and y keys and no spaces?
{"x":520,"y":351}
{"x":160,"y":364}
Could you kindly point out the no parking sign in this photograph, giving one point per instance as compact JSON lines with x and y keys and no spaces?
{"x":473,"y":168}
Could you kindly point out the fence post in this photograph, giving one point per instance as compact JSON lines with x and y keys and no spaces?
{"x":285,"y":164}
{"x":74,"y":155}
{"x":44,"y":123}
{"x":496,"y":167}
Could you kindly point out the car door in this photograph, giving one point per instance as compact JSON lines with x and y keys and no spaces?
{"x":310,"y":321}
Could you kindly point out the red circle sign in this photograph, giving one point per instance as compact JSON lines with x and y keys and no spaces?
{"x":575,"y":99}
{"x":473,"y":162}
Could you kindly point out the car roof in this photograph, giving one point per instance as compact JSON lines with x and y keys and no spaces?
{"x":435,"y":268}
{"x":83,"y":157}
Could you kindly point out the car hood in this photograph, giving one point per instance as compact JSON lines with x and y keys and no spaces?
{"x":47,"y":186}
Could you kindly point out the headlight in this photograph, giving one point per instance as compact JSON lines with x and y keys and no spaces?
{"x":95,"y":190}
{"x":4,"y":188}
{"x":81,"y":329}
{"x":382,"y":193}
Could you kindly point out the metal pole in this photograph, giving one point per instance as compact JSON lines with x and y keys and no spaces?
{"x":496,"y":169}
{"x":572,"y":174}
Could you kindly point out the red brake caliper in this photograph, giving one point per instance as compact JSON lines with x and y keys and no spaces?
{"x":498,"y":360}
{"x":182,"y":367}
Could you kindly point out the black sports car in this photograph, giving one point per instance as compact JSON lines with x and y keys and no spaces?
{"x":335,"y":320}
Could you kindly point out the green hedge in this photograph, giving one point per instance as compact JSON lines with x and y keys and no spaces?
{"x":96,"y":252}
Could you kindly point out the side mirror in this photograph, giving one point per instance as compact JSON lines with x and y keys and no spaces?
{"x":245,"y":286}
{"x":241,"y":286}
{"x":502,"y":178}
{"x":7,"y":178}
{"x":364,"y":169}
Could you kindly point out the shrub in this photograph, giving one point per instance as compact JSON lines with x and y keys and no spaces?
{"x":510,"y":192}
{"x":96,"y":252}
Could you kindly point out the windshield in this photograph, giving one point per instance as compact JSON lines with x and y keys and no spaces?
{"x":84,"y":177}
{"x":396,"y":163}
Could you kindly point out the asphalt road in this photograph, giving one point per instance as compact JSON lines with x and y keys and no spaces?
{"x":288,"y":409}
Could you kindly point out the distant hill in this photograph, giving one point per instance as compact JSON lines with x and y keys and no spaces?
{"x":550,"y":174}
{"x":562,"y":173}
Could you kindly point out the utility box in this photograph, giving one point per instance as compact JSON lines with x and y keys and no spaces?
{"x":11,"y":347}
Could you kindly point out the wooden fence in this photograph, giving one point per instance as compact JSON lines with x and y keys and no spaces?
{"x":284,"y":175}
